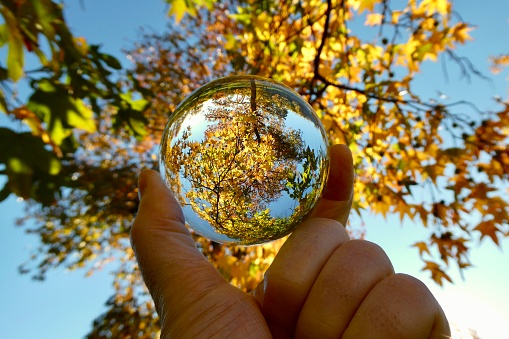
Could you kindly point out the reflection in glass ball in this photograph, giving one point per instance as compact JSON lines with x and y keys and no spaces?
{"x":246,"y":157}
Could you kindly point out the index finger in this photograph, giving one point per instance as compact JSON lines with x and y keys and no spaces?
{"x":173,"y":269}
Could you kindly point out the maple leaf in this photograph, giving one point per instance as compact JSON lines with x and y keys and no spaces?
{"x":498,"y":62}
{"x":488,"y":229}
{"x":422,"y":246}
{"x":460,"y":32}
{"x":373,"y":19}
{"x":179,"y":8}
{"x":383,"y":206}
{"x":440,"y":6}
{"x":437,"y":274}
{"x":367,"y":4}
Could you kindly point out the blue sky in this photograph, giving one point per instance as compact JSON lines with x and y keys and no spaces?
{"x":65,"y":305}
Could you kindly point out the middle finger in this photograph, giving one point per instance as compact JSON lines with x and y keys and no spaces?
{"x":351,"y":272}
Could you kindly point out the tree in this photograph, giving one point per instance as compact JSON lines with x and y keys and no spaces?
{"x":437,"y":163}
{"x":240,"y":177}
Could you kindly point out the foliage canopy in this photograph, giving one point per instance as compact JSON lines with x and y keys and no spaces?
{"x":91,"y":126}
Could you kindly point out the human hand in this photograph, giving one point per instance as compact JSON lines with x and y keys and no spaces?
{"x":320,"y":285}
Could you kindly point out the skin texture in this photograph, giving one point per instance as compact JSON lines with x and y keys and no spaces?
{"x":321,"y":284}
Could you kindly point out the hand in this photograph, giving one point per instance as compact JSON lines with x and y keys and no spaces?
{"x":321,"y":284}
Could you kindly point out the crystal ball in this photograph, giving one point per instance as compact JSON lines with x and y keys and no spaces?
{"x":246,"y":157}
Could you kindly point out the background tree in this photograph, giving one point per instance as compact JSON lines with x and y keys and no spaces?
{"x":441,"y":164}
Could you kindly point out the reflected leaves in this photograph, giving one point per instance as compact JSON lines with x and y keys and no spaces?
{"x":247,"y":159}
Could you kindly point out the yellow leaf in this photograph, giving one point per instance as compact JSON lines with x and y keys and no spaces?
{"x":373,"y":19}
{"x":395,"y":17}
{"x":308,"y":53}
{"x":81,"y":45}
{"x":382,"y":206}
{"x":435,"y":6}
{"x":498,"y":62}
{"x":442,"y":6}
{"x":179,"y":9}
{"x":460,"y":32}
{"x":367,"y":4}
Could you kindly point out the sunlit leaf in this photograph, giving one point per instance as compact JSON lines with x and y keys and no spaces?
{"x":60,"y":111}
{"x":178,"y":8}
{"x":367,"y":5}
{"x":3,"y":103}
{"x":15,"y":55}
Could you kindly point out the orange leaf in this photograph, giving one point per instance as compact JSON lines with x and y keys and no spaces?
{"x":422,"y":246}
{"x":437,"y":274}
{"x":489,"y":229}
{"x":460,"y":32}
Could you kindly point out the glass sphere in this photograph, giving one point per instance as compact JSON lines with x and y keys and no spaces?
{"x":246,"y":157}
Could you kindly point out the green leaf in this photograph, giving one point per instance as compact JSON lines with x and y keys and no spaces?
{"x":4,"y":193}
{"x":137,"y":123}
{"x":15,"y":55}
{"x":47,"y":12}
{"x":60,"y":111}
{"x":25,"y":158}
{"x":111,"y":61}
{"x":133,"y":120}
{"x":131,"y":115}
{"x":242,"y":18}
{"x":3,"y":74}
{"x":28,"y":150}
{"x":3,"y":103}
{"x":138,"y":105}
{"x":4,"y":35}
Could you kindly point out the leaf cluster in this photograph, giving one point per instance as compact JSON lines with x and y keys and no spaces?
{"x":70,"y":80}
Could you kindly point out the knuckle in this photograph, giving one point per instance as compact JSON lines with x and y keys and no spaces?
{"x":367,"y":249}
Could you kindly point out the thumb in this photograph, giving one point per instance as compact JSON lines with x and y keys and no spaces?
{"x":337,"y":197}
{"x":173,"y":269}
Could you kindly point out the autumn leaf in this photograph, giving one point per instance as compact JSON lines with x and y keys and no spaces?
{"x":432,"y":6}
{"x":437,"y":274}
{"x":489,"y":229}
{"x":499,"y":62}
{"x":373,"y":19}
{"x":422,"y":246}
{"x":179,"y":8}
{"x":461,"y":32}
{"x":367,"y":5}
